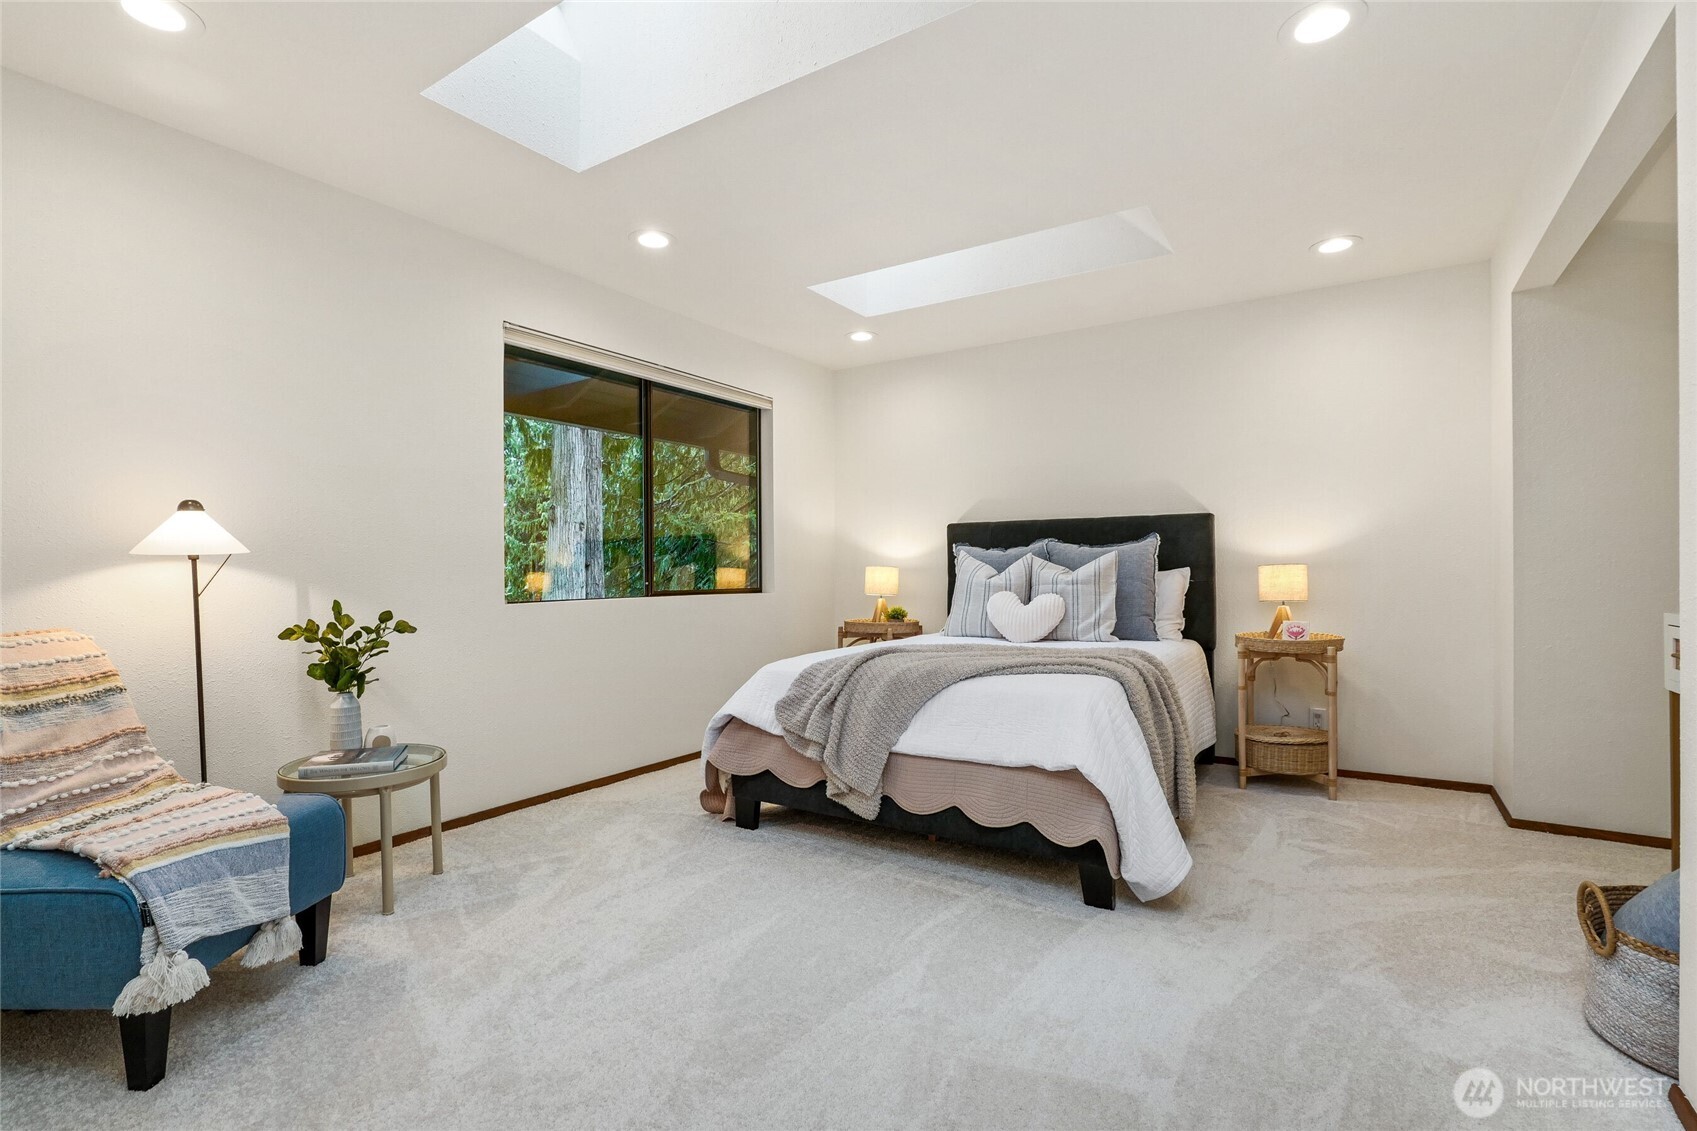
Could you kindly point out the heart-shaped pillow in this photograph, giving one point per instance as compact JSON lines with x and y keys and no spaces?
{"x":1023,"y":623}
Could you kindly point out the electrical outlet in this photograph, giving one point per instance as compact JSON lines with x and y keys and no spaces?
{"x":1317,"y":718}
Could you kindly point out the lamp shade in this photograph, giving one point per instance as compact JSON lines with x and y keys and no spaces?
{"x":1283,"y":582}
{"x":882,"y":581}
{"x":189,"y":531}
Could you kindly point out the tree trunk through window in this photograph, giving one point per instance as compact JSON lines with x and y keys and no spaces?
{"x":576,"y":564}
{"x":594,"y":557}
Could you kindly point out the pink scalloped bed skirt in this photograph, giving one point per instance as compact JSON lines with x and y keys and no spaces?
{"x":1060,"y":804}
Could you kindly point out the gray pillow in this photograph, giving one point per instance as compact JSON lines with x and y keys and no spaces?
{"x":969,"y":613}
{"x":1134,"y":601}
{"x":998,"y":560}
{"x":1089,"y":593}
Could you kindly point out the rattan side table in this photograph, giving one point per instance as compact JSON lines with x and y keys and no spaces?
{"x":873,"y":631}
{"x":1301,"y":751}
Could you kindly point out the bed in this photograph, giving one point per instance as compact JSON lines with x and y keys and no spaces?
{"x":1052,"y":766}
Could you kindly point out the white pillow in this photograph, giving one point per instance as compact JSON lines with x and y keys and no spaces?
{"x":974,"y":582}
{"x":1170,"y":587}
{"x":1090,"y":592}
{"x":1022,"y":623}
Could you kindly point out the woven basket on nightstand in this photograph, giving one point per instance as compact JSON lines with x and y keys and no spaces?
{"x":1286,"y":750}
{"x":1315,"y":645}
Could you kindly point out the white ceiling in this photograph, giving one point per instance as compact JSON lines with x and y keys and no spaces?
{"x":1412,"y":130}
{"x":1652,"y":197}
{"x":588,"y":80}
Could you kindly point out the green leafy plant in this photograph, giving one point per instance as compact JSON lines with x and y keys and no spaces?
{"x":343,"y":651}
{"x":898,"y":613}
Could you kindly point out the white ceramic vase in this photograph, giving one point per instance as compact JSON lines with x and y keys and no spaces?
{"x":344,"y":721}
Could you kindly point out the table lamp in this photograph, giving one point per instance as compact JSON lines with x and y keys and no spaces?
{"x":1282,"y":583}
{"x":881,"y":582}
{"x":190,"y":532}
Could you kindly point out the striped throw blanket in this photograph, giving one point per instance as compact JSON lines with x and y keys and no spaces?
{"x":78,"y":774}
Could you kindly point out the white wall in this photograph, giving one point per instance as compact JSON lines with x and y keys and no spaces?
{"x":1685,"y":31}
{"x":1605,"y":110}
{"x":1501,"y":638}
{"x":1596,"y":532}
{"x":1347,"y":428}
{"x":325,"y":375}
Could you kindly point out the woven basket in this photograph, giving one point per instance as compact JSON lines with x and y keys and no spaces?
{"x":1632,"y":996}
{"x":1315,"y":645}
{"x":1286,"y":750}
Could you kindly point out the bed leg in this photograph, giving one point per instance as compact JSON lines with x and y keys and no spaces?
{"x":1097,"y":883}
{"x":748,"y":812}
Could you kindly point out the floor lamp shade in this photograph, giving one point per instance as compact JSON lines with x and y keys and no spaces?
{"x":190,"y":532}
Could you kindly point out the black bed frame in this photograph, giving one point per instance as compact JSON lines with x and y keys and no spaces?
{"x":1186,"y":540}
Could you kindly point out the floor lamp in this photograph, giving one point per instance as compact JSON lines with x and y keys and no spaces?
{"x":190,"y":532}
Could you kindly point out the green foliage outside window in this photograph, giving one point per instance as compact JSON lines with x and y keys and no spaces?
{"x":529,"y":508}
{"x":701,"y":521}
{"x":704,"y":514}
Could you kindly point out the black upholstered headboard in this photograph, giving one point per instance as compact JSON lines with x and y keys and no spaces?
{"x":1186,"y":540}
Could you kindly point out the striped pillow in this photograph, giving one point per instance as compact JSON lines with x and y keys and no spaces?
{"x":1136,"y":598}
{"x":1089,"y":593}
{"x":969,"y":614}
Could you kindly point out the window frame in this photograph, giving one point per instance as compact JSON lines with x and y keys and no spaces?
{"x":608,"y":368}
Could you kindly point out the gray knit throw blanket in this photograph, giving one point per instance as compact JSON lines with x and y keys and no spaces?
{"x":848,"y":711}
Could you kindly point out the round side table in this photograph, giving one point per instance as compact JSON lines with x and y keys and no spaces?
{"x":424,"y":763}
{"x":1302,"y":751}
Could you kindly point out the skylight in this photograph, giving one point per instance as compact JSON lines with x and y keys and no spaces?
{"x":1054,"y":253}
{"x":586,"y":81}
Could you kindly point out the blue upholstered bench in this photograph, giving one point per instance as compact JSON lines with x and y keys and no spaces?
{"x":71,"y":940}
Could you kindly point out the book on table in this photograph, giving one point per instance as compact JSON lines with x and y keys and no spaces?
{"x":354,"y":763}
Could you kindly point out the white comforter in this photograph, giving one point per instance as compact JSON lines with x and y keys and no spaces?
{"x":1055,"y":722}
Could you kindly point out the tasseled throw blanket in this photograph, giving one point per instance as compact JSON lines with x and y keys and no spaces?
{"x":847,"y":712}
{"x":77,"y":774}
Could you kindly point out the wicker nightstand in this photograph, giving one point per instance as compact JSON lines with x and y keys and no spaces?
{"x":1303,"y":751}
{"x":856,"y":631}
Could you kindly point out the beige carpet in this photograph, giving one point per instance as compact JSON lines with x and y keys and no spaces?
{"x":618,"y":959}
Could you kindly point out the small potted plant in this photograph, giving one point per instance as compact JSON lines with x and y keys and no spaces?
{"x":343,"y":663}
{"x":898,"y":614}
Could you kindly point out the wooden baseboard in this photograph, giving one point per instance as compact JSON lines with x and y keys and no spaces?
{"x":1682,"y":1108}
{"x":1509,"y":819}
{"x":1640,"y":839}
{"x":525,"y":803}
{"x":1424,"y":783}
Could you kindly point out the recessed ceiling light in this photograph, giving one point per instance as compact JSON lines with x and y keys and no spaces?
{"x":1334,"y":244}
{"x":653,"y":239}
{"x":1320,"y":22}
{"x":861,"y":336}
{"x":163,"y":15}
